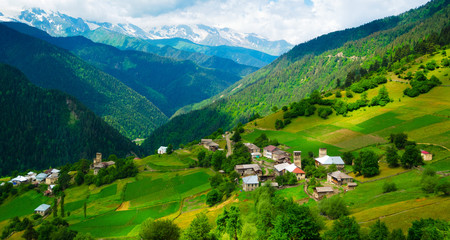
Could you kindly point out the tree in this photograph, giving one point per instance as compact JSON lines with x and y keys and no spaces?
{"x":249,"y":232}
{"x":378,"y":231}
{"x":397,"y":234}
{"x":230,"y":222}
{"x":338,"y":94}
{"x":411,"y":157}
{"x":433,"y":229}
{"x":198,"y":229}
{"x":217,"y":159}
{"x":345,"y":228}
{"x":389,"y":187}
{"x":63,"y":195}
{"x":213,"y":197}
{"x":399,"y":140}
{"x":55,"y":208}
{"x":169,"y":149}
{"x":366,"y":164}
{"x":79,"y":178}
{"x":274,"y":109}
{"x":30,"y":233}
{"x":333,"y":207}
{"x":348,"y":158}
{"x":84,"y":236}
{"x":392,"y":157}
{"x":236,"y":137}
{"x":159,"y":230}
{"x":279,"y":124}
{"x":443,"y":186}
{"x":295,"y":222}
{"x":64,"y":180}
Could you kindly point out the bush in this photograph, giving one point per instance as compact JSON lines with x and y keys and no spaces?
{"x":338,"y":94}
{"x":389,"y":187}
{"x":333,"y":207}
{"x":324,"y":112}
{"x":213,"y":197}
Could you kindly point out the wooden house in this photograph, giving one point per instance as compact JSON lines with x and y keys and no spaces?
{"x":320,"y":192}
{"x":339,"y":178}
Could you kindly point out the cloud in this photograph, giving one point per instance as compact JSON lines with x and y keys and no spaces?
{"x":293,"y":20}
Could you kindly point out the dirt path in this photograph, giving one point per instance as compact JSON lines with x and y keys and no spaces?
{"x":124,"y":206}
{"x":305,"y":188}
{"x":223,"y":204}
{"x":230,"y":150}
{"x":434,"y":144}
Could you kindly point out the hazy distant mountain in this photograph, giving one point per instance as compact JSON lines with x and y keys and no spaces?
{"x":62,"y":25}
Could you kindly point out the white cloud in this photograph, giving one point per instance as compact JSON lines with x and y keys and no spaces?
{"x":293,"y":20}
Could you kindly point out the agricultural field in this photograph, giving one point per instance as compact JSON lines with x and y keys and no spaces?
{"x":424,"y":118}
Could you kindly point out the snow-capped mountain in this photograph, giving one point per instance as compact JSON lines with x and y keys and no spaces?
{"x":212,"y":36}
{"x":62,"y":25}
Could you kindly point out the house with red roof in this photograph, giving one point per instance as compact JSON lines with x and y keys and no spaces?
{"x":426,"y":155}
{"x":280,"y":169}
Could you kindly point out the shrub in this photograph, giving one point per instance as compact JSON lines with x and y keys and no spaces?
{"x":389,"y":187}
{"x":333,"y":207}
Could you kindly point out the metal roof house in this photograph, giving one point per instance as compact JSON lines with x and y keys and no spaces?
{"x":250,"y":183}
{"x":42,"y":210}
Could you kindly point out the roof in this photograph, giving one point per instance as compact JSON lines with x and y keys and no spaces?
{"x":424,"y":152}
{"x":339,"y":175}
{"x":251,"y":179}
{"x":251,"y":146}
{"x":281,"y":167}
{"x":31,"y":173}
{"x":54,"y":170}
{"x":352,"y":184}
{"x":256,"y":154}
{"x":213,"y":144}
{"x":41,"y":176}
{"x":206,"y":140}
{"x":327,"y":160}
{"x":162,"y":148}
{"x":298,"y":170}
{"x":42,"y":208}
{"x":324,"y":189}
{"x":270,"y":148}
{"x":19,"y":179}
{"x":255,"y":167}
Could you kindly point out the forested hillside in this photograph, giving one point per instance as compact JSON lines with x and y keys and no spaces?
{"x":167,"y":83}
{"x":183,"y":49}
{"x":333,"y":60}
{"x":43,"y":128}
{"x":54,"y":68}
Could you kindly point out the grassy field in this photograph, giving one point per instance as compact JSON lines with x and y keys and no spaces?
{"x":295,"y":193}
{"x":23,"y":205}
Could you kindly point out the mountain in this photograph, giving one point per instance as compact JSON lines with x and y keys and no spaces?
{"x":335,"y":59}
{"x":182,"y":49}
{"x":42,"y":128}
{"x":61,"y":25}
{"x":51,"y":67}
{"x":212,"y":36}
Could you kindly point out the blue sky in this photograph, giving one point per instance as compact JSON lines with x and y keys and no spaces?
{"x":293,"y":20}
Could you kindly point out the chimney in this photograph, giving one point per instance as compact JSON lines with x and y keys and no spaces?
{"x":322,"y":152}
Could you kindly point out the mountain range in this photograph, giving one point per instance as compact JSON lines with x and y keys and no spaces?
{"x":58,"y":24}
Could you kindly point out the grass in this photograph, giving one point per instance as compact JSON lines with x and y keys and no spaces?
{"x":120,"y":223}
{"x":23,"y":205}
{"x":295,"y":193}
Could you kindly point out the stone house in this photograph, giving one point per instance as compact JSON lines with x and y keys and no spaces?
{"x":326,"y":161}
{"x":252,"y":148}
{"x":98,"y":164}
{"x":52,"y":178}
{"x":42,"y":210}
{"x":320,"y":192}
{"x":209,"y":144}
{"x":280,"y":169}
{"x":339,"y":178}
{"x":248,"y":169}
{"x":281,"y":156}
{"x":250,"y":183}
{"x":268,"y":151}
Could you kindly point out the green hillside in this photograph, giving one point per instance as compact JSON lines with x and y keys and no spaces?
{"x":43,"y":128}
{"x":351,"y":55}
{"x":54,"y":68}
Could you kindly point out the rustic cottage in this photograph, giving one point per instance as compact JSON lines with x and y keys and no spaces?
{"x":42,"y":210}
{"x":252,"y":148}
{"x":426,"y":155}
{"x":250,"y":183}
{"x":248,"y":169}
{"x":339,"y":178}
{"x":268,"y":151}
{"x":280,"y":169}
{"x":320,"y":192}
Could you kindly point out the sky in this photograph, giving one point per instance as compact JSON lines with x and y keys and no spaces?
{"x":295,"y":21}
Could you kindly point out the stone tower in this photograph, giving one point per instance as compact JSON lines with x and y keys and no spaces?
{"x":322,"y":152}
{"x":298,"y":159}
{"x":98,"y":158}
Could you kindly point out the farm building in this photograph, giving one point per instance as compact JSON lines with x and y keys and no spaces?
{"x":268,"y":151}
{"x":42,"y":210}
{"x":209,"y":144}
{"x":19,"y":180}
{"x":52,"y":178}
{"x":339,"y":178}
{"x":248,"y":169}
{"x":326,"y":161}
{"x":426,"y":155}
{"x":351,"y":185}
{"x":280,"y":169}
{"x":250,"y":183}
{"x":320,"y":192}
{"x":41,"y":177}
{"x":162,"y":150}
{"x":252,"y":148}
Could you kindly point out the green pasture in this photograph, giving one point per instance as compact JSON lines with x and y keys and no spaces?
{"x":23,"y":205}
{"x":120,"y":223}
{"x":295,"y":193}
{"x":168,"y":187}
